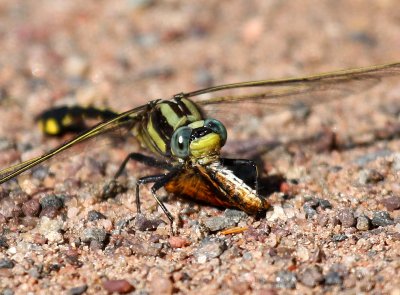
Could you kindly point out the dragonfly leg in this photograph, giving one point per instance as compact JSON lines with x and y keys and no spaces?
{"x":159,"y":181}
{"x":109,"y":188}
{"x":245,"y":169}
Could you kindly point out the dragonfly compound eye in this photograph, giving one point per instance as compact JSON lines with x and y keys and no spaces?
{"x":218,"y":128}
{"x":180,"y":142}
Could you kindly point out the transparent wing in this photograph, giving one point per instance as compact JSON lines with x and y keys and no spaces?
{"x":275,"y":95}
{"x":126,"y":120}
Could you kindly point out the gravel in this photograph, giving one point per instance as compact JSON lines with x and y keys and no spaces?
{"x":363,"y":223}
{"x":286,"y":280}
{"x":118,"y":286}
{"x":78,"y":290}
{"x":391,"y":203}
{"x":95,"y":215}
{"x":6,"y":263}
{"x":346,"y":217}
{"x":311,"y":276}
{"x":381,"y":218}
{"x":369,"y":176}
{"x":209,"y":248}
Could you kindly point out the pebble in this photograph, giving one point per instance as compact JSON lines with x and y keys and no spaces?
{"x":363,"y":223}
{"x":286,"y":280}
{"x":309,"y":209}
{"x":339,"y":238}
{"x":178,"y":242}
{"x":50,"y":229}
{"x":35,"y":272}
{"x":93,"y":234}
{"x":143,"y":223}
{"x":235,"y":215}
{"x":50,"y":212}
{"x":3,"y":242}
{"x":311,"y":276}
{"x":367,"y":176}
{"x":118,"y":286}
{"x":31,"y":208}
{"x":160,"y":283}
{"x":210,"y":247}
{"x":95,"y":215}
{"x":6,"y":263}
{"x":392,"y":203}
{"x":78,"y":290}
{"x":381,"y":218}
{"x":346,"y":217}
{"x":53,"y":201}
{"x":217,"y":223}
{"x":333,"y":278}
{"x":324,"y":204}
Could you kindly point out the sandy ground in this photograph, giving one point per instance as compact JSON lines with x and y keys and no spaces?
{"x":334,"y":225}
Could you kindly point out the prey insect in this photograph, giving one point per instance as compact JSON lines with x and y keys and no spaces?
{"x":187,"y":144}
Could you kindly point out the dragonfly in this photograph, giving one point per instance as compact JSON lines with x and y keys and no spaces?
{"x":186,"y":143}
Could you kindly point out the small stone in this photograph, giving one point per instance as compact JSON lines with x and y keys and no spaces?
{"x":50,"y":229}
{"x":339,"y":238}
{"x":160,"y":283}
{"x":235,"y":215}
{"x":50,"y":212}
{"x":6,"y":263}
{"x":34,"y":272}
{"x":142,"y":223}
{"x":391,"y":203}
{"x":381,"y":218}
{"x":118,"y":286}
{"x":367,"y":176}
{"x":95,"y":215}
{"x":178,"y":242}
{"x":309,"y":209}
{"x":363,"y":223}
{"x":78,"y":290}
{"x":346,"y":217}
{"x":53,"y":201}
{"x":3,"y":242}
{"x":210,"y":247}
{"x":333,"y":278}
{"x":311,"y":276}
{"x":286,"y":280}
{"x":217,"y":223}
{"x":31,"y":208}
{"x":93,"y":234}
{"x":324,"y":204}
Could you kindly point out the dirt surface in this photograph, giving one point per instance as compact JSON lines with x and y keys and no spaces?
{"x":332,"y":179}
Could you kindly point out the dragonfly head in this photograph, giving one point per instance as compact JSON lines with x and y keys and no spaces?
{"x":200,"y":141}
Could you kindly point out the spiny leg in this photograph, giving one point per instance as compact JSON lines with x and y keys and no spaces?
{"x":109,"y":188}
{"x":159,"y":181}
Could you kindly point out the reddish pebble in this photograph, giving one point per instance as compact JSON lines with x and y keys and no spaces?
{"x":178,"y":242}
{"x":284,"y":188}
{"x":391,"y":203}
{"x":119,"y":286}
{"x":31,"y":208}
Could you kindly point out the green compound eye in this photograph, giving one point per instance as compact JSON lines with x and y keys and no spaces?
{"x":218,"y":128}
{"x":180,"y":142}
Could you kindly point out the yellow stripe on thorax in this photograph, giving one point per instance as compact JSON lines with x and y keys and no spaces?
{"x":156,"y":138}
